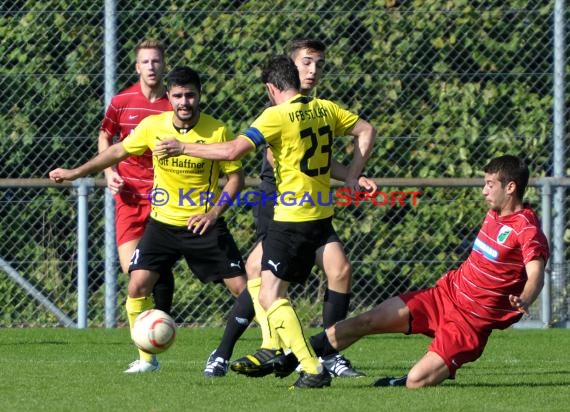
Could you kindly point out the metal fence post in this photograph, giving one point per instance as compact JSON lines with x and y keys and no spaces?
{"x":110,"y":263}
{"x":110,"y":247}
{"x":83,"y":187}
{"x":559,"y":223}
{"x":545,"y":296}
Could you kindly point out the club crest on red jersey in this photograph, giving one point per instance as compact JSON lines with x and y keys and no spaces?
{"x":503,"y":234}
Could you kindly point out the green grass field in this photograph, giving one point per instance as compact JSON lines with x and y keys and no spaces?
{"x":81,"y":370}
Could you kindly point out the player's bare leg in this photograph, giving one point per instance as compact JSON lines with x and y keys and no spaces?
{"x":430,"y":370}
{"x":253,"y":262}
{"x":338,"y":270}
{"x":391,"y":316}
{"x":126,"y":251}
{"x":236,"y":285}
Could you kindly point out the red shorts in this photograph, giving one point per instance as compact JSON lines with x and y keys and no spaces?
{"x":130,"y":220}
{"x":458,"y":337}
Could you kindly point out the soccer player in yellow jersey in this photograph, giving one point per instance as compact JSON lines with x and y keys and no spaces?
{"x":185,"y":218}
{"x":309,"y":57}
{"x":299,"y":130}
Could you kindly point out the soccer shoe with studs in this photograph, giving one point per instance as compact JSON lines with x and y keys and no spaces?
{"x":260,"y":364}
{"x":308,"y":380}
{"x":401,"y":381}
{"x":142,"y":366}
{"x":286,"y":365}
{"x":339,"y":366}
{"x":216,"y":367}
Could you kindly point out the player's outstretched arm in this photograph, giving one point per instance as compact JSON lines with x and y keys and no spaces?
{"x":364,"y":134}
{"x":231,"y":150}
{"x":109,"y":157}
{"x":532,"y":287}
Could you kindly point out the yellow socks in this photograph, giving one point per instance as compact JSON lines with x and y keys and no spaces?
{"x":269,"y":341}
{"x":134,"y":307}
{"x":283,"y":321}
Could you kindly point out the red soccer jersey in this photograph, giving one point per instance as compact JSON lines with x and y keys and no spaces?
{"x":124,"y":113}
{"x":495,"y":267}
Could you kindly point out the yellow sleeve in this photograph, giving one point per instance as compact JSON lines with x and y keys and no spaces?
{"x":229,"y":166}
{"x":266,"y":128}
{"x":345,"y":120}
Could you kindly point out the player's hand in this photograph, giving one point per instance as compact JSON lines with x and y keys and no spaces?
{"x":519,"y":304}
{"x":367,"y":184}
{"x":201,"y":223}
{"x":168,"y":148}
{"x":114,"y":182}
{"x":60,"y":175}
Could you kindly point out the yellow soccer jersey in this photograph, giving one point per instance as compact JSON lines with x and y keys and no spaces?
{"x":300,"y":133}
{"x":183,"y":186}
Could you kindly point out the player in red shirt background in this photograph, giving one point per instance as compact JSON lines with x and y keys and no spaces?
{"x":492,"y":288}
{"x":131,"y":180}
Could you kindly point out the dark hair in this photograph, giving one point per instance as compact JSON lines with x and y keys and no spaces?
{"x":281,"y":72}
{"x":182,"y":76}
{"x":305,"y":43}
{"x":510,"y":169}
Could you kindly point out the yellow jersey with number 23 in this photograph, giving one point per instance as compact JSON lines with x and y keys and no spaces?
{"x":300,"y":133}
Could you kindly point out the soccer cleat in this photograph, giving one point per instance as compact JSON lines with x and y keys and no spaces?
{"x":216,"y":367}
{"x":261,"y":363}
{"x":401,"y":381}
{"x":286,"y":365}
{"x":338,"y":365}
{"x":142,"y":366}
{"x":308,"y":380}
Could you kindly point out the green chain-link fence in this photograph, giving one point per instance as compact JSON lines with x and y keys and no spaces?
{"x":447,"y":84}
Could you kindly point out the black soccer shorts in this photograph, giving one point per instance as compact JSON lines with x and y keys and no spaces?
{"x":289,"y":248}
{"x":212,"y":257}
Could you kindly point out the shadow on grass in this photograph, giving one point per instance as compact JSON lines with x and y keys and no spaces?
{"x":36,"y":342}
{"x":517,"y":373}
{"x":63,"y":342}
{"x":512,"y":385}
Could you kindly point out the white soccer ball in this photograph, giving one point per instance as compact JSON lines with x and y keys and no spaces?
{"x":153,"y":331}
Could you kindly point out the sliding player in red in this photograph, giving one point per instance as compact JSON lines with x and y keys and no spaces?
{"x":492,"y":289}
